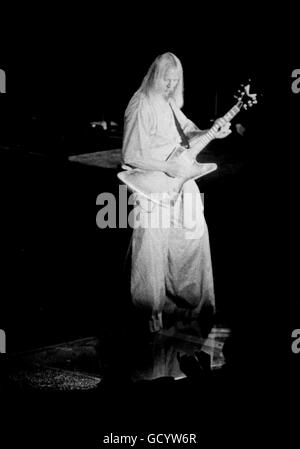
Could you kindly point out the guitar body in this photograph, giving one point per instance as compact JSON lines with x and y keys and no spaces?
{"x":158,"y":186}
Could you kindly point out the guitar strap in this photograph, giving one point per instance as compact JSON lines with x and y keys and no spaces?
{"x":184,"y":140}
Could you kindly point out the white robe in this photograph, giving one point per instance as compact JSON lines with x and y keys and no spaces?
{"x":171,"y":267}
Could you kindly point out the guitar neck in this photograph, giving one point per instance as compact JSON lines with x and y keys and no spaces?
{"x":201,"y":142}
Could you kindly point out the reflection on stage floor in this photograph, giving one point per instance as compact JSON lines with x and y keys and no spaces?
{"x":77,"y":364}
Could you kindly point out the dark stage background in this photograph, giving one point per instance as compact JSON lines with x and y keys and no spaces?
{"x":61,"y":276}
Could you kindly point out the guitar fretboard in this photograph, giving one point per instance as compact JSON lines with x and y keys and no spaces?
{"x":210,"y":134}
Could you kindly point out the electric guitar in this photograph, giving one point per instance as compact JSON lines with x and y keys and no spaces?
{"x":163,"y":189}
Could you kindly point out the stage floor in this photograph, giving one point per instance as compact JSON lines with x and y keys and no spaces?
{"x":77,"y":364}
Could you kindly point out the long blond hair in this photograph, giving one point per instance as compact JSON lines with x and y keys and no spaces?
{"x":157,"y":71}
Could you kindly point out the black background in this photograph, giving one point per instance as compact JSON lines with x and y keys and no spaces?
{"x":71,"y":67}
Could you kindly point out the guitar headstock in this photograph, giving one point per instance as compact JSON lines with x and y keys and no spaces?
{"x":245,"y":98}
